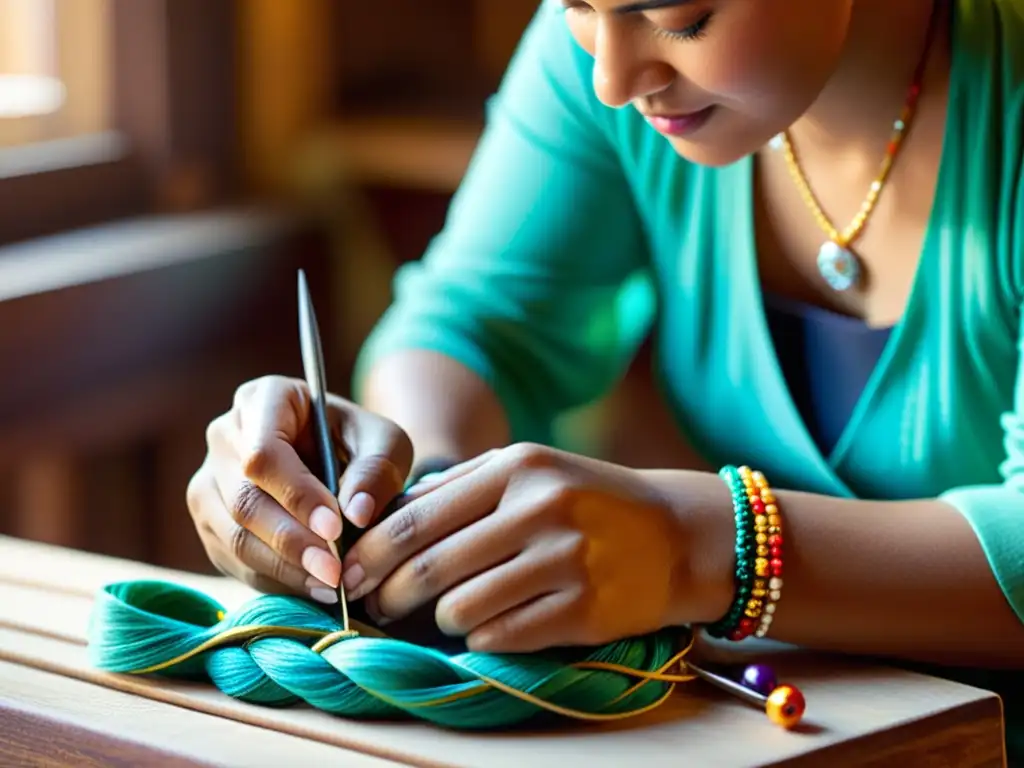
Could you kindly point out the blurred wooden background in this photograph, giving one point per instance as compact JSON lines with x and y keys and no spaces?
{"x":148,"y":250}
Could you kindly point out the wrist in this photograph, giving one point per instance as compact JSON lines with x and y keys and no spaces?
{"x":704,"y":563}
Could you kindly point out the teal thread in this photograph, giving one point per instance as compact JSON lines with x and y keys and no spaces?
{"x":278,"y":651}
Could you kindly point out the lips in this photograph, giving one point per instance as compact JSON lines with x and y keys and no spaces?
{"x":679,"y":124}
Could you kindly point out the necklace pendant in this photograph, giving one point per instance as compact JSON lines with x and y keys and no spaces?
{"x":838,"y":266}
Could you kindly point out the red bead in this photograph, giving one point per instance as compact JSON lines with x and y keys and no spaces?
{"x":748,"y":624}
{"x":785,"y":706}
{"x":737,"y":635}
{"x":891,"y":149}
{"x":775,"y":552}
{"x":777,"y":572}
{"x":758,"y":506}
{"x":775,"y":540}
{"x":776,"y":563}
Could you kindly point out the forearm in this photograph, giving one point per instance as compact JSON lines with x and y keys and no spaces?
{"x":447,"y":410}
{"x":901,"y":579}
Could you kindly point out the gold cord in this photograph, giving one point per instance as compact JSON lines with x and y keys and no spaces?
{"x":324,"y":640}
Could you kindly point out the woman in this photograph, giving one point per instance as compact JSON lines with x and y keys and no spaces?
{"x":827,"y":198}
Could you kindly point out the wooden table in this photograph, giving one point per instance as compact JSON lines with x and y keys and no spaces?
{"x":55,"y":710}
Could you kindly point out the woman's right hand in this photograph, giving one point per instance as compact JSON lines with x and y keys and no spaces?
{"x":262,"y":514}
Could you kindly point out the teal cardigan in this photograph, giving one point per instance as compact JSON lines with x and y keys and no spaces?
{"x":578,"y":230}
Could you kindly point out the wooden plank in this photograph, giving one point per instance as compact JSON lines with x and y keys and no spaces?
{"x":68,"y":722}
{"x":857,"y":714}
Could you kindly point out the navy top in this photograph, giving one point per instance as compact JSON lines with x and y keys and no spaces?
{"x":827,"y":359}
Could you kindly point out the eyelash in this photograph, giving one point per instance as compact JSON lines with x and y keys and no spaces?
{"x":695,"y":31}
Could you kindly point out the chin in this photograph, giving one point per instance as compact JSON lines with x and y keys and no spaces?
{"x":711,"y":154}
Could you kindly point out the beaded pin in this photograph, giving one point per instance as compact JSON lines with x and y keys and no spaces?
{"x":758,"y":685}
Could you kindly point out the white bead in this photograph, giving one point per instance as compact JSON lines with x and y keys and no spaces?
{"x":776,"y":142}
{"x":761,"y":631}
{"x":774,"y":595}
{"x":769,"y":609}
{"x":766,"y":620}
{"x":775,"y":583}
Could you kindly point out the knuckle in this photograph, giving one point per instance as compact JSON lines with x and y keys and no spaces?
{"x":424,"y":571}
{"x":380,"y":468}
{"x":576,"y":554}
{"x":245,"y":507}
{"x":238,"y":543}
{"x":279,"y":571}
{"x":402,"y":526}
{"x":529,"y":455}
{"x":216,"y":429}
{"x":194,"y":491}
{"x":258,"y":461}
{"x":453,"y":615}
{"x":280,"y":541}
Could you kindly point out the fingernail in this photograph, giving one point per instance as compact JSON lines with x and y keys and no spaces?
{"x":353,"y":577}
{"x":321,"y":564}
{"x":360,"y":509}
{"x":324,"y":522}
{"x":322,"y":595}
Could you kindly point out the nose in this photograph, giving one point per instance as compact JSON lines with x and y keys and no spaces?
{"x":622,"y":73}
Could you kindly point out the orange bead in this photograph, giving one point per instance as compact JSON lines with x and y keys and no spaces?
{"x":785,"y":706}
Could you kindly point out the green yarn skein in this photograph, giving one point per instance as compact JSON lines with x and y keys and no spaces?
{"x":137,"y":626}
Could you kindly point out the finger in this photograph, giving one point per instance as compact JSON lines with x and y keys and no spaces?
{"x":419,"y":524}
{"x":435,"y":480}
{"x":238,"y":553}
{"x":270,"y":422}
{"x":549,"y":621}
{"x":381,"y":456}
{"x":255,"y":511}
{"x":231,"y":566}
{"x":537,"y":571}
{"x":479,"y":547}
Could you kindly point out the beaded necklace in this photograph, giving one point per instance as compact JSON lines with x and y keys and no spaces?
{"x":837,"y":263}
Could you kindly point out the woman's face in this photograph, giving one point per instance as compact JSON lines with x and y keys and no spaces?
{"x":718,"y":77}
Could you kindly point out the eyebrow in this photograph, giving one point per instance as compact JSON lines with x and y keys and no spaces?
{"x":649,"y":5}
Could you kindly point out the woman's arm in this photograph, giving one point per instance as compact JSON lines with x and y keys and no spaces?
{"x":512,"y":315}
{"x":903,"y":579}
{"x":450,"y":413}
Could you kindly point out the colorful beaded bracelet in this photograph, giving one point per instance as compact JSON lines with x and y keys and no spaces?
{"x":745,"y":554}
{"x":758,"y":575}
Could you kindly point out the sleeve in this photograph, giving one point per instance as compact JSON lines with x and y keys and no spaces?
{"x":996,"y":512}
{"x":531,"y":282}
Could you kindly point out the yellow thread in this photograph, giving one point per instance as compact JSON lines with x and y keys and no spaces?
{"x":325,"y":640}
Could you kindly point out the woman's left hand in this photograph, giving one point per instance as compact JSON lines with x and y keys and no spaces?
{"x":529,"y":547}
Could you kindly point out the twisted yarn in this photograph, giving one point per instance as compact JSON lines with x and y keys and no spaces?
{"x":281,"y":651}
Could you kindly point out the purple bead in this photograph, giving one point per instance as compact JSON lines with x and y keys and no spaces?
{"x":759,"y":678}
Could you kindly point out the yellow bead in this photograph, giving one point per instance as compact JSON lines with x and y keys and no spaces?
{"x":759,"y":592}
{"x":769,"y":497}
{"x":785,"y":706}
{"x":762,"y":520}
{"x":762,"y":551}
{"x":758,"y":476}
{"x":770,"y":509}
{"x":774,"y":530}
{"x":775,"y":520}
{"x":761,"y":538}
{"x":761,"y":567}
{"x":754,"y":604}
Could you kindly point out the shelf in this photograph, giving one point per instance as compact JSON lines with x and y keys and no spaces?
{"x":419,"y":153}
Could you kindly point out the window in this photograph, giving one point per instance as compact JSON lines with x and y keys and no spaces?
{"x":54,"y":64}
{"x":110,"y":108}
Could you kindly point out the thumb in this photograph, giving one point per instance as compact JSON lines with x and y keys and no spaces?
{"x":381,"y":458}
